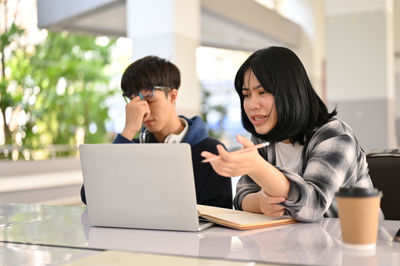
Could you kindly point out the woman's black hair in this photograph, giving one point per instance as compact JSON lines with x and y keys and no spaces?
{"x":299,"y":108}
{"x":150,"y":71}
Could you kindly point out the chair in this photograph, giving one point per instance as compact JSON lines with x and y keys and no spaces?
{"x":384,"y":169}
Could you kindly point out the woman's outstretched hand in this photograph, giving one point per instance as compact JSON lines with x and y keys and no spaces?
{"x":232,"y":164}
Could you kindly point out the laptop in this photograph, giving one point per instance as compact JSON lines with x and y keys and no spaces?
{"x":146,"y":186}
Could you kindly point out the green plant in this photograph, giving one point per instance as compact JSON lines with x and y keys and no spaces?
{"x":52,"y":92}
{"x":207,"y":108}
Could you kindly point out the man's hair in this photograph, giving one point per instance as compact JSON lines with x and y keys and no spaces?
{"x":149,"y":71}
{"x":281,"y":73}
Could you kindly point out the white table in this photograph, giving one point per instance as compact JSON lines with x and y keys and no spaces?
{"x":67,"y":228}
{"x":22,"y":254}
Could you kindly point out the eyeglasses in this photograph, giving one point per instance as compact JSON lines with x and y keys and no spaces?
{"x":145,"y":93}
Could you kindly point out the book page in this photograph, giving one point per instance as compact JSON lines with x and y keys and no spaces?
{"x":210,"y":210}
{"x":239,"y":219}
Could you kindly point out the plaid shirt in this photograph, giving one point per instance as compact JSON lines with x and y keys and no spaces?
{"x":331,"y":159}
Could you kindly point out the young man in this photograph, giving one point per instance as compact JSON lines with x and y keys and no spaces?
{"x":150,"y":88}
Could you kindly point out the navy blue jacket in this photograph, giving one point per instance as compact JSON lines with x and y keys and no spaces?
{"x":211,"y":188}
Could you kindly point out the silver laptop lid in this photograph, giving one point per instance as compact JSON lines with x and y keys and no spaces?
{"x":149,"y":186}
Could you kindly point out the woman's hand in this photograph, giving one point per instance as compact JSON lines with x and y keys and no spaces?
{"x":232,"y":164}
{"x":137,"y":111}
{"x":269,"y":205}
{"x":251,"y":163}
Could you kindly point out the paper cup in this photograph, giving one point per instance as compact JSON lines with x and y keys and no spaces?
{"x":359,"y":217}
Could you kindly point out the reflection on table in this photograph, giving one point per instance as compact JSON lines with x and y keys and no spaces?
{"x":22,"y":254}
{"x":301,"y":243}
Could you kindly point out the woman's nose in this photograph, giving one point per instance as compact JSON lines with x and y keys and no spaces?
{"x":254,"y":102}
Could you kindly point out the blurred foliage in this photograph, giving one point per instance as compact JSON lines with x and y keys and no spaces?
{"x":70,"y":72}
{"x":208,"y":109}
{"x":54,"y":93}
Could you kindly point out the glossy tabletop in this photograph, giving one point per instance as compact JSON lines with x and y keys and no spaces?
{"x":23,"y":254}
{"x":300,"y":244}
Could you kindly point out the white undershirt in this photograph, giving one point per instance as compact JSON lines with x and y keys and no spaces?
{"x":288,"y":155}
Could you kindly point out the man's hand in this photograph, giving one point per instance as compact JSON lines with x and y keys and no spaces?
{"x":137,"y":111}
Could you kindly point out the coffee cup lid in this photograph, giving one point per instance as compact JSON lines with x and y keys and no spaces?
{"x":358,"y":192}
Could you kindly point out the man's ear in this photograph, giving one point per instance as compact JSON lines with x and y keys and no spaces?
{"x":174,"y":95}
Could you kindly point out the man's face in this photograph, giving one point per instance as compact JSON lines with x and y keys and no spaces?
{"x":162,"y":111}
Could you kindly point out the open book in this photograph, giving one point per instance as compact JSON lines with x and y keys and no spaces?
{"x":240,"y":219}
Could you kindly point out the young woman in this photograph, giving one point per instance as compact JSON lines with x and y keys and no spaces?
{"x":311,"y":153}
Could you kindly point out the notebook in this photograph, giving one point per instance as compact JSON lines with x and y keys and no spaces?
{"x":146,"y":186}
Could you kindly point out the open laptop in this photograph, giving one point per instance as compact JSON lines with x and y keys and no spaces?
{"x":147,"y":186}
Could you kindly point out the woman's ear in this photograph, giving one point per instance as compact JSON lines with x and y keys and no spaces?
{"x":174,"y":95}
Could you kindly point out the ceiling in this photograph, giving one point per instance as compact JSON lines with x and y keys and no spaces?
{"x":219,"y":28}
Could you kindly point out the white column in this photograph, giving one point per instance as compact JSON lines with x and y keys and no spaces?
{"x":360,"y":68}
{"x":169,"y":29}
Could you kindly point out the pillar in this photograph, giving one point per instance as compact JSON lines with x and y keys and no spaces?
{"x":169,"y":29}
{"x":360,"y":68}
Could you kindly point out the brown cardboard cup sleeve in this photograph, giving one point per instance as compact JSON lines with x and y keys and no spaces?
{"x":358,"y":210}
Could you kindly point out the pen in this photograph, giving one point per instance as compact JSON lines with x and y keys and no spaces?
{"x":258,"y":146}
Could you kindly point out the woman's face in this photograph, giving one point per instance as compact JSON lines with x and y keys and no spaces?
{"x":258,"y":104}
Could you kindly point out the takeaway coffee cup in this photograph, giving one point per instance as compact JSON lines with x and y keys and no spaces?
{"x":359,"y":216}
